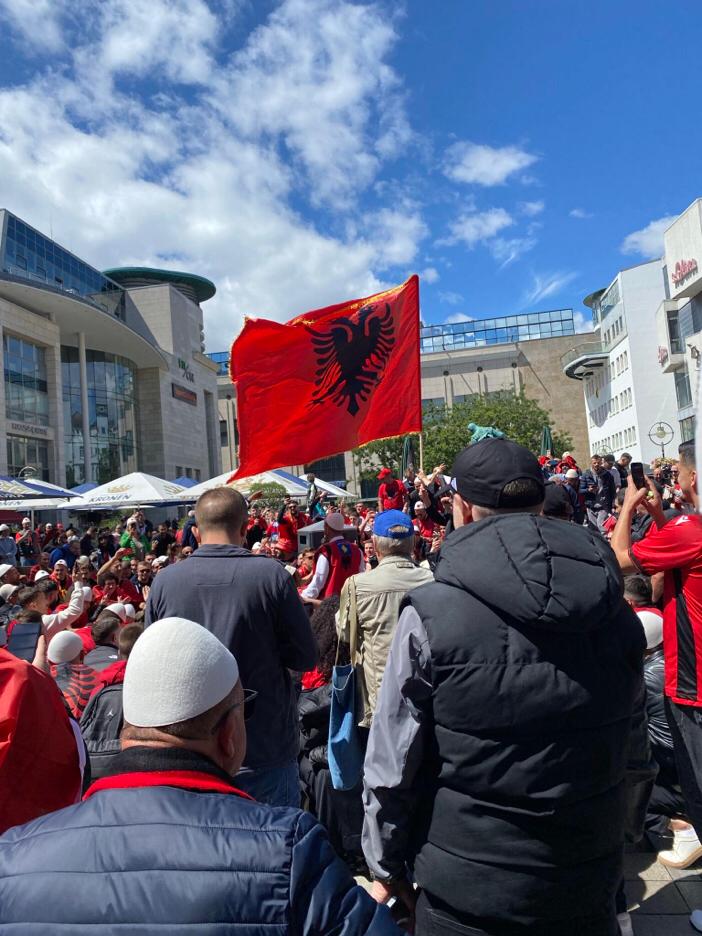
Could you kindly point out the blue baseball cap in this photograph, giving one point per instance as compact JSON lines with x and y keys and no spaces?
{"x":392,"y":523}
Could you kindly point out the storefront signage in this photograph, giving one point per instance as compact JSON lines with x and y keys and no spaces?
{"x":185,"y":370}
{"x":662,"y":355}
{"x":182,"y":393}
{"x":683,"y":269}
{"x":27,"y":429}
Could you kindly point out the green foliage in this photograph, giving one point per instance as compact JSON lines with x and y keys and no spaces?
{"x":273,"y":495}
{"x":446,"y":432}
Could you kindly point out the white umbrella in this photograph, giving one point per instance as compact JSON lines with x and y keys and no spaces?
{"x":247,"y":485}
{"x":132,"y":490}
{"x":48,"y":501}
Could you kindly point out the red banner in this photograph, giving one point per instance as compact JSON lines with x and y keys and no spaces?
{"x":328,"y":380}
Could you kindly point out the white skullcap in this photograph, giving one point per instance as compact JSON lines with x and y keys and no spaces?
{"x":7,"y":591}
{"x":653,"y":628}
{"x":176,"y":671}
{"x":41,"y":574}
{"x":5,"y":568}
{"x":87,"y":594}
{"x":335,"y":521}
{"x":130,"y":611}
{"x":255,"y":547}
{"x":64,"y":647}
{"x":119,"y":609}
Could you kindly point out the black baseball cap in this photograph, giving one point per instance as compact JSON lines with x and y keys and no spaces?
{"x":481,"y":471}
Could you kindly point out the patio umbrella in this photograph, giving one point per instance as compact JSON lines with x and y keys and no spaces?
{"x":546,"y":441}
{"x":132,"y":490}
{"x":185,"y":482}
{"x":247,"y":485}
{"x":28,"y":495}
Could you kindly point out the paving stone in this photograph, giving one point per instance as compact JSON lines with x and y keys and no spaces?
{"x":654,"y":897}
{"x":659,"y":925}
{"x":643,"y":865}
{"x":692,"y":892}
{"x":688,"y":874}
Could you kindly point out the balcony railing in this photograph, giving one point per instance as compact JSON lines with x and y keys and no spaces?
{"x":583,"y":358}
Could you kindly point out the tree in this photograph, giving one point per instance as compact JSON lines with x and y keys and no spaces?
{"x":446,"y":431}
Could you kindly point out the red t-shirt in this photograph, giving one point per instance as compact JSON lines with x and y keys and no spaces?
{"x":424,"y":527}
{"x":392,"y":495}
{"x":676,"y":550}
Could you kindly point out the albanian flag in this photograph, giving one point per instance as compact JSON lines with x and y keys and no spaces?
{"x":328,"y":380}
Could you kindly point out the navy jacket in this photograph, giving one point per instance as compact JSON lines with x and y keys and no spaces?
{"x":158,"y":859}
{"x":250,"y":603}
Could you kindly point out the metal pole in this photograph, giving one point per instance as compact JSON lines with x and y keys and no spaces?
{"x":421,"y":451}
{"x":83,"y":370}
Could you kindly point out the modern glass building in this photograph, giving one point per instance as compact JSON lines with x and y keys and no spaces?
{"x":221,"y":359}
{"x":500,"y":330}
{"x":90,"y":394}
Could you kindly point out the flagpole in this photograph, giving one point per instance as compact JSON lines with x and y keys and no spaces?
{"x":421,"y":451}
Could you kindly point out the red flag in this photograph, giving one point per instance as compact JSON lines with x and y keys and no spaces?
{"x":328,"y":380}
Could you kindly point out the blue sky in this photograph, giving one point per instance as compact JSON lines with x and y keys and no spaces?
{"x":302,"y":152}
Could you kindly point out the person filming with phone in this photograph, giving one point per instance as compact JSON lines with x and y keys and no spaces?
{"x":674,"y":547}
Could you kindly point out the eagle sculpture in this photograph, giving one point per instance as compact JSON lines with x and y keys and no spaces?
{"x":352,"y":356}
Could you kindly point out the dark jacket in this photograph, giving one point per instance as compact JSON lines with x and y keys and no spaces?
{"x":176,"y":858}
{"x":100,"y":726}
{"x":314,"y":707}
{"x":599,"y":490}
{"x":101,"y":657}
{"x":536,"y":665}
{"x":188,"y":538}
{"x":250,"y":603}
{"x":658,"y":727}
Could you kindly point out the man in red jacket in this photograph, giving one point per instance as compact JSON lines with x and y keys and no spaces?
{"x":391,"y":493}
{"x":337,"y":559}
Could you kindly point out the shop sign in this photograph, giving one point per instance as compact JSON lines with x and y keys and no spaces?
{"x":683,"y":270}
{"x":27,"y":429}
{"x":662,"y":355}
{"x":182,"y":393}
{"x":185,"y":370}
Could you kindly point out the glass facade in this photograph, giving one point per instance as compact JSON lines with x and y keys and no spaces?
{"x":331,"y":469}
{"x":481,"y":332}
{"x":221,"y":359}
{"x":26,"y":390}
{"x":26,"y":253}
{"x":23,"y":452}
{"x":112,"y":416}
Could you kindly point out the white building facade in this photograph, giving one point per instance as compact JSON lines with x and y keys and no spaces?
{"x":627,"y":396}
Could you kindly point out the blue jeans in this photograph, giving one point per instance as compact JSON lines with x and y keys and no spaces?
{"x":276,"y":786}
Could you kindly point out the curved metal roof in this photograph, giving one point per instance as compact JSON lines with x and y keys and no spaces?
{"x":197,"y":287}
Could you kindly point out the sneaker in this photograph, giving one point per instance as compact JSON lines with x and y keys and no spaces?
{"x":685,"y":851}
{"x":696,"y":920}
{"x":625,"y":927}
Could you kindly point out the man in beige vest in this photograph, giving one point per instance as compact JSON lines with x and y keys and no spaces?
{"x":372,"y":600}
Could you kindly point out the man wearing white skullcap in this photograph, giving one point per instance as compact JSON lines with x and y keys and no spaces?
{"x":336,"y":561}
{"x":168,"y":832}
{"x":251,"y":605}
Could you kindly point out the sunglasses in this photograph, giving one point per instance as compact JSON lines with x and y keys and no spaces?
{"x":249,"y":703}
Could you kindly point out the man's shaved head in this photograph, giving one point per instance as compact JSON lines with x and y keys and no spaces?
{"x":221,"y":510}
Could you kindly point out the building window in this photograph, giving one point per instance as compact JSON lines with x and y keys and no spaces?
{"x":111,"y":416}
{"x":223,"y":433}
{"x":676,"y":344}
{"x":23,"y":452}
{"x":329,"y":469}
{"x":687,"y":429}
{"x":682,"y":389}
{"x":26,"y":389}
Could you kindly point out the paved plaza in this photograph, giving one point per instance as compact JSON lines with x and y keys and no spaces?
{"x":660,"y":898}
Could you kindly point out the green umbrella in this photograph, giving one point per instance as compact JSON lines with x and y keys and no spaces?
{"x":546,"y":441}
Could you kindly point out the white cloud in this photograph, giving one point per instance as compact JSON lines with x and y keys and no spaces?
{"x":485,"y":165}
{"x":648,"y":242}
{"x":547,"y":284}
{"x":507,"y":250}
{"x":459,"y":317}
{"x":450,"y":298}
{"x":583,"y":323}
{"x":580,"y":213}
{"x":471,"y":228}
{"x":429,"y":275}
{"x":217,"y":182}
{"x":531,"y":208}
{"x":38,"y":22}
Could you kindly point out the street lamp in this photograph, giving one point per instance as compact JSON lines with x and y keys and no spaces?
{"x":661,"y":433}
{"x":29,"y":471}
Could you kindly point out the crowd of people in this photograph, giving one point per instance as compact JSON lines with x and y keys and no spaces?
{"x":523,"y":639}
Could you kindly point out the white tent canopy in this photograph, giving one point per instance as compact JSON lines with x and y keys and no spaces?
{"x":327,"y":487}
{"x":247,"y":485}
{"x":133,"y":490}
{"x":42,"y":503}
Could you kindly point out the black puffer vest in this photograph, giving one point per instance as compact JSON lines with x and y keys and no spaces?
{"x":536,"y":660}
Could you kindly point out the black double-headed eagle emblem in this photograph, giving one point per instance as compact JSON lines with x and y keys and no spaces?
{"x":351,"y":357}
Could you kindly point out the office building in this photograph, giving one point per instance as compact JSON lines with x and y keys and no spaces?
{"x":461,"y":362}
{"x":103,"y":373}
{"x":626,"y":395}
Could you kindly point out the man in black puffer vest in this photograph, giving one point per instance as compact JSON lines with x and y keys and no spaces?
{"x":496,"y":765}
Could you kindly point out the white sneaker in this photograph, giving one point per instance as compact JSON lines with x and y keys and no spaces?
{"x":696,"y":920}
{"x":625,"y":927}
{"x":685,"y":851}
